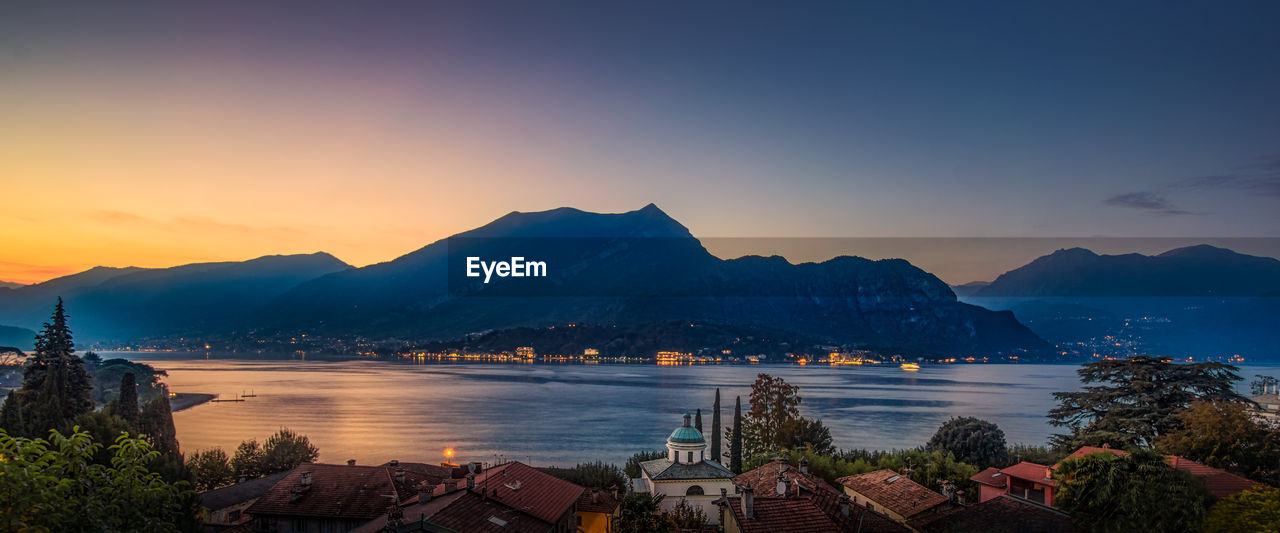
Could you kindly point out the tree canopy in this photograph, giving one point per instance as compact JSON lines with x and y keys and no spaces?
{"x":971,"y":440}
{"x":56,"y":387}
{"x":1251,"y":510}
{"x":1225,"y":435}
{"x":1132,"y":402}
{"x":1104,"y":492}
{"x":54,"y":485}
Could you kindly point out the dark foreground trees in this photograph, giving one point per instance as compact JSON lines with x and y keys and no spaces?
{"x":1105,"y":492}
{"x":283,"y":451}
{"x":54,"y":485}
{"x":1133,"y":402}
{"x":1226,"y":435}
{"x":56,"y":387}
{"x":1251,"y":510}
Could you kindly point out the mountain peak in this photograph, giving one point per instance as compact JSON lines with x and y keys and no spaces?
{"x":1202,"y":251}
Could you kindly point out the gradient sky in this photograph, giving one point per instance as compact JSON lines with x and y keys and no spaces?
{"x":155,"y":134}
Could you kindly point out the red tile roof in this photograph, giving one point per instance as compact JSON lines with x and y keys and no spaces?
{"x":1031,"y":472}
{"x":336,"y":491}
{"x":990,"y":477}
{"x":472,"y":513}
{"x":1089,"y":450}
{"x":1218,"y":482}
{"x":765,"y":479}
{"x":597,"y":501}
{"x":1004,"y":514}
{"x":810,"y":515}
{"x":895,"y":492}
{"x":526,"y":488}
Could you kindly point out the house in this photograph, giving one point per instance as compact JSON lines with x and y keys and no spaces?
{"x":771,"y":475}
{"x":686,"y":473}
{"x":225,"y":508}
{"x":317,"y":497}
{"x":819,"y":512}
{"x":1002,"y":514}
{"x":506,"y":498}
{"x":893,"y":494}
{"x":1268,"y":406}
{"x":597,"y":510}
{"x":1029,"y":481}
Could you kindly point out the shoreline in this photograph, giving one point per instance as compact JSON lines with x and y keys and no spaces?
{"x":185,"y":400}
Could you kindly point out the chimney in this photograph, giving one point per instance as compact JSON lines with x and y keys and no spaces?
{"x":471,"y":481}
{"x":1106,"y":446}
{"x":595,"y":495}
{"x":424,"y":492}
{"x":748,"y":502}
{"x":306,"y":478}
{"x":399,"y":475}
{"x":804,"y":465}
{"x":844,"y":505}
{"x":960,"y":497}
{"x":351,"y":462}
{"x":394,"y":462}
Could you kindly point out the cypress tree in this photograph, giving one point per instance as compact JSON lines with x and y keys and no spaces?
{"x":715,"y":428}
{"x":155,"y":422}
{"x":697,"y":420}
{"x":126,"y":405}
{"x":56,"y":388}
{"x":735,"y":446}
{"x":11,"y":415}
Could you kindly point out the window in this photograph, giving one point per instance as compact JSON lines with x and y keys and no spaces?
{"x":694,"y":491}
{"x":690,"y":457}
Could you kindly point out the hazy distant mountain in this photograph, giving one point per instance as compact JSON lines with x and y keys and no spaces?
{"x":21,"y":338}
{"x":1195,"y":271}
{"x":9,"y":285}
{"x":126,"y":303}
{"x":641,"y":267}
{"x":969,"y":289}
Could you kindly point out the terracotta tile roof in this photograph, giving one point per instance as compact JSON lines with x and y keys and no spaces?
{"x":990,"y":477}
{"x":809,"y":515}
{"x":1089,"y":450}
{"x":1031,"y":472}
{"x":894,"y":492}
{"x":523,"y":487}
{"x":472,"y":513}
{"x":336,"y":491}
{"x":1004,"y":514}
{"x":433,"y":473}
{"x":597,"y":501}
{"x":765,"y":479}
{"x":1219,"y":483}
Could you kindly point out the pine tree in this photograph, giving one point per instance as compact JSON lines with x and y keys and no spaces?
{"x":715,"y":428}
{"x":56,"y":388}
{"x":126,"y":405}
{"x":735,"y":447}
{"x":11,"y":415}
{"x":697,"y":420}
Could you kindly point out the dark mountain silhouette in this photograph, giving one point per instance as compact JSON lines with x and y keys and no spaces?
{"x":634,"y":268}
{"x":969,"y":289}
{"x":19,"y":337}
{"x":128,"y":303}
{"x":1194,"y":271}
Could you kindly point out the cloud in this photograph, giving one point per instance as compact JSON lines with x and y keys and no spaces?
{"x":1145,"y":200}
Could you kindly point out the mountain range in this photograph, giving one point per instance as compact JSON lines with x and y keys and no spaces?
{"x":1193,"y":271}
{"x":623,"y":269}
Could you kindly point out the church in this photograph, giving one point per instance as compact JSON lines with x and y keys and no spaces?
{"x":686,"y":473}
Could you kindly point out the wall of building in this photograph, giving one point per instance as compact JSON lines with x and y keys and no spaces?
{"x":675,"y":493}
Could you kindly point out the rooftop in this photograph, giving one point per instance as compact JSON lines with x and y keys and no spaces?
{"x":240,"y":492}
{"x":895,"y":492}
{"x":990,"y":477}
{"x":664,"y":470}
{"x":1217,"y":481}
{"x":686,"y":434}
{"x":765,"y":479}
{"x":597,"y":501}
{"x":1031,"y":472}
{"x":337,"y":491}
{"x":1004,"y":514}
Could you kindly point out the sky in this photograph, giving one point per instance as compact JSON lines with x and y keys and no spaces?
{"x":157,"y":134}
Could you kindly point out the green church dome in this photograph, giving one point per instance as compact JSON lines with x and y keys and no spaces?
{"x":686,"y":434}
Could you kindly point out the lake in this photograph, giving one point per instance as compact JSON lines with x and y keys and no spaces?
{"x":560,"y":414}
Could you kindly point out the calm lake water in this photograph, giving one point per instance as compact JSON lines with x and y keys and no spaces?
{"x":375,"y":411}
